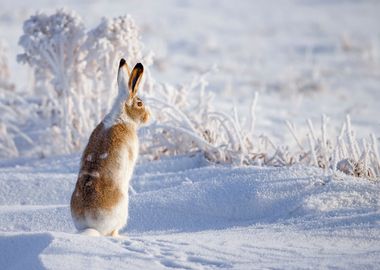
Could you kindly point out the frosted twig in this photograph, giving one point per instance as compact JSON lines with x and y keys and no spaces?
{"x":350,"y":138}
{"x":375,"y":151}
{"x":324,"y":140}
{"x":293,"y":132}
{"x":252,"y":119}
{"x":311,"y":144}
{"x":201,"y":142}
{"x":311,"y":130}
{"x":237,"y":134}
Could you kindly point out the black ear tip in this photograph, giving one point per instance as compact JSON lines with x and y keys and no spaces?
{"x":122,"y":62}
{"x":139,"y":66}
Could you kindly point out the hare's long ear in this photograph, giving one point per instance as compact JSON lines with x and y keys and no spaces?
{"x":122,"y":77}
{"x":135,"y":79}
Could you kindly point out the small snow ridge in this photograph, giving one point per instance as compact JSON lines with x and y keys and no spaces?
{"x":183,"y":212}
{"x":22,"y":251}
{"x":210,"y":198}
{"x":339,"y":200}
{"x":208,"y":262}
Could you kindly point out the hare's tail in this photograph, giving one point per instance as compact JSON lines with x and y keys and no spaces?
{"x":90,"y":232}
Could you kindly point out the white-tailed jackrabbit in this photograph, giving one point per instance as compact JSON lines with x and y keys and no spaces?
{"x":99,"y":203}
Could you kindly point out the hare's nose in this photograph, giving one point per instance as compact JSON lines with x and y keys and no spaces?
{"x":147,"y":116}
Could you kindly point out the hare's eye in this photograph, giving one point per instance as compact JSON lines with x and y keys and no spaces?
{"x":139,"y":103}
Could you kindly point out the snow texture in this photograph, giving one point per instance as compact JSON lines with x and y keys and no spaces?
{"x":188,"y":214}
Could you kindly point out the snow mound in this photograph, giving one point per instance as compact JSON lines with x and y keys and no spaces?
{"x":186,"y":213}
{"x":20,"y":251}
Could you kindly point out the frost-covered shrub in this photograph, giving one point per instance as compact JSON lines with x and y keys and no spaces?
{"x":343,"y":154}
{"x":105,"y":45}
{"x":52,"y":47}
{"x":74,"y":70}
{"x":187,"y":121}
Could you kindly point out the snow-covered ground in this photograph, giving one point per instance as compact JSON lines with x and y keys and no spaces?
{"x":305,"y":57}
{"x":188,"y":214}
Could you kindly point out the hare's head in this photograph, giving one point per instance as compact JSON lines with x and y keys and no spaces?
{"x":128,"y":82}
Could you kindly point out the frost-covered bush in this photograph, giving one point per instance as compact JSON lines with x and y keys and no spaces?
{"x":343,"y":154}
{"x":187,"y":121}
{"x":105,"y":45}
{"x":52,"y":47}
{"x":75,"y":70}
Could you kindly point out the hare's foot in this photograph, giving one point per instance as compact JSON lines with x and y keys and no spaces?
{"x":115,"y":233}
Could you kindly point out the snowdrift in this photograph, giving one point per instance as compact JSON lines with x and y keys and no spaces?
{"x":183,"y":201}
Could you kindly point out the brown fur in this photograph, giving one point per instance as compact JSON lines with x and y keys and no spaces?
{"x":99,"y":192}
{"x":97,"y":188}
{"x":137,"y":113}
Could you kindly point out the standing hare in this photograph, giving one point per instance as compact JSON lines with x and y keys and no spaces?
{"x":99,"y":203}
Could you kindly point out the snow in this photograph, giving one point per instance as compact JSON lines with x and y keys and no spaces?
{"x":304,"y":57}
{"x":189,"y":214}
